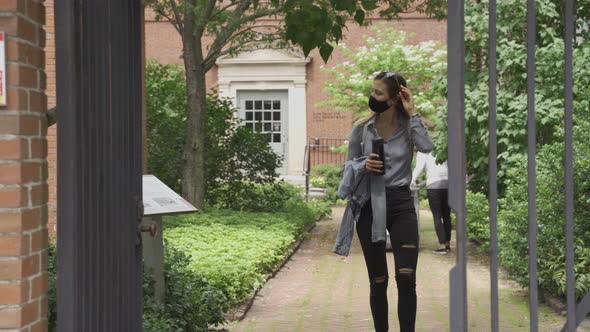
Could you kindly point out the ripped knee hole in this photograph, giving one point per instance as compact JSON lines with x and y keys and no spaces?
{"x":380,"y":280}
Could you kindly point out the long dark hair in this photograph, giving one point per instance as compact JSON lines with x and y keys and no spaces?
{"x":393,"y":81}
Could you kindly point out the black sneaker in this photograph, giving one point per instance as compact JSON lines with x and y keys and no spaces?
{"x":440,"y":251}
{"x":448,"y":248}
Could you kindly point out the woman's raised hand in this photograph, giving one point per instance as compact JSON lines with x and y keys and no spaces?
{"x":407,"y":100}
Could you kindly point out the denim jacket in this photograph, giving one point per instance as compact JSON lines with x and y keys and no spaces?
{"x":355,"y":186}
{"x":359,"y":187}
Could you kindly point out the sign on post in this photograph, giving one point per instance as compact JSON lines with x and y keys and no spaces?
{"x":158,"y":200}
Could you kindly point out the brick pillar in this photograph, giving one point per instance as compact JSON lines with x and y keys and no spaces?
{"x":23,"y":170}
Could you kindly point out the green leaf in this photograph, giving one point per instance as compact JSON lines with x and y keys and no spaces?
{"x":326,"y":51}
{"x":337,"y":33}
{"x":359,"y":16}
{"x":369,"y":4}
{"x":345,"y":5}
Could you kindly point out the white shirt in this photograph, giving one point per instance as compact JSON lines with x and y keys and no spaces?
{"x":434,"y":172}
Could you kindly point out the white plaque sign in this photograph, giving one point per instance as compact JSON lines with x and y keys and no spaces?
{"x":159,"y":199}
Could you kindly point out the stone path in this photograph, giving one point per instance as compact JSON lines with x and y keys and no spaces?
{"x":321,"y":291}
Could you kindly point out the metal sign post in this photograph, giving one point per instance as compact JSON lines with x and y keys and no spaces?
{"x":158,"y":200}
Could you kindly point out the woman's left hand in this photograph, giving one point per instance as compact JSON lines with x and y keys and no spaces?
{"x":407,"y":100}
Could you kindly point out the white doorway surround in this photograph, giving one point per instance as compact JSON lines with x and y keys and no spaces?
{"x":266,"y":112}
{"x":268,"y":74}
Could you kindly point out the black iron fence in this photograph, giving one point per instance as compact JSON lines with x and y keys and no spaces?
{"x":456,"y":161}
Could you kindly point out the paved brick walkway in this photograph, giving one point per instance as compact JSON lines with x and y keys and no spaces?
{"x":320,"y":291}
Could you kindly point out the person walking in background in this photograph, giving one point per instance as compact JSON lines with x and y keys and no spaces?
{"x":437,"y":188}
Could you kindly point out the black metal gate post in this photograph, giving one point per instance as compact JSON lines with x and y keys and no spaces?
{"x":98,"y":64}
{"x":456,"y":159}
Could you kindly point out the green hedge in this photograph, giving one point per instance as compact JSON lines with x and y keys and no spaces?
{"x":191,"y":304}
{"x":213,"y":259}
{"x":513,"y":216}
{"x":477,"y":218}
{"x":513,"y":221}
{"x":234,"y":250}
{"x":52,"y":287}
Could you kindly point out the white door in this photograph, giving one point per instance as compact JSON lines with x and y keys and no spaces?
{"x":266,"y":112}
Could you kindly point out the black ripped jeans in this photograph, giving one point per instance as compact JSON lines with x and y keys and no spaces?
{"x":402,"y":225}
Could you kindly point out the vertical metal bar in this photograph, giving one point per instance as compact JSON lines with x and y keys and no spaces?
{"x":68,"y":168}
{"x":456,"y":159}
{"x":95,"y":197}
{"x":86,"y":103}
{"x":332,"y":153}
{"x":569,"y":166}
{"x":116,"y":145}
{"x":582,"y":310}
{"x":532,"y":182}
{"x":99,"y":156}
{"x":322,"y":152}
{"x":493,"y":167}
{"x":137,"y":64}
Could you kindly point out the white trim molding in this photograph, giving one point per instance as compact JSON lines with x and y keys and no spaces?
{"x":267,"y":70}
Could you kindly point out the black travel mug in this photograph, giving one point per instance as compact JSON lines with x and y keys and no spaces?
{"x":380,"y":150}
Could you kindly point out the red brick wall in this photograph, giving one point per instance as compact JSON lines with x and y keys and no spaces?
{"x":163,"y":43}
{"x":23,"y":171}
{"x":52,"y":131}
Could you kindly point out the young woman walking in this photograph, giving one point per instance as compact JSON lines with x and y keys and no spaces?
{"x":388,"y":204}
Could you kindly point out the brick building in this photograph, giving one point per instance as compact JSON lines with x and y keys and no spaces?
{"x":278,"y":86}
{"x":23,"y":170}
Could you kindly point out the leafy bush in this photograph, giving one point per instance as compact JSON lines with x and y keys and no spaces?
{"x":327,"y":176}
{"x":52,"y":287}
{"x":191,"y":303}
{"x":276,"y":197}
{"x":236,"y":156}
{"x":477,"y":218}
{"x":320,"y":208}
{"x":234,"y":250}
{"x":250,"y":196}
{"x":512,"y":84}
{"x":317,"y":181}
{"x":166,"y":117}
{"x":550,"y":215}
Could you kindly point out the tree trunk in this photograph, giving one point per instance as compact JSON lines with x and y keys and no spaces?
{"x":193,"y":172}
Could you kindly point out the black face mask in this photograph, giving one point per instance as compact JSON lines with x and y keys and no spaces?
{"x":378,"y":106}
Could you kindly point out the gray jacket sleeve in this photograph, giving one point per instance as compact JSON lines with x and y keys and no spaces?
{"x":354,"y":143}
{"x":420,"y":136}
{"x":355,"y":164}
